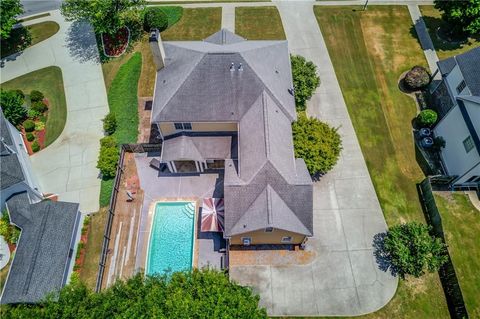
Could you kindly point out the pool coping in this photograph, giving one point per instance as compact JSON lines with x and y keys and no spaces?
{"x":151,"y":213}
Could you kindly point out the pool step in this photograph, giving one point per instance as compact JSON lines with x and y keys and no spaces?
{"x":189,"y":210}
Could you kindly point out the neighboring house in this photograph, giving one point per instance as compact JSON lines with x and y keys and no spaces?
{"x":49,"y":229}
{"x":226,"y":104}
{"x":457,"y":100}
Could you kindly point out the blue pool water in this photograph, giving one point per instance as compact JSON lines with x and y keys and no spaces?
{"x":171,"y":238}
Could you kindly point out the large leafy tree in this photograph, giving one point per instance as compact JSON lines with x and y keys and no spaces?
{"x":317,"y":143}
{"x":196,"y":294}
{"x":9,"y":10}
{"x":305,"y":80}
{"x":106,"y":16}
{"x":12,"y":107}
{"x":413,"y":251}
{"x":463,"y":16}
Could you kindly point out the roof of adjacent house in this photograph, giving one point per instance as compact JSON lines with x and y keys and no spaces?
{"x":468,"y":63}
{"x":43,"y":255}
{"x":228,"y":79}
{"x":11,"y":171}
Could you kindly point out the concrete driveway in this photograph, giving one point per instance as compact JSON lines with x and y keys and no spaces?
{"x":344,"y":279}
{"x":67,"y":167}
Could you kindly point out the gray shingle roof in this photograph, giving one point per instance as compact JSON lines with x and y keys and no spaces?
{"x":198,"y":85}
{"x":43,"y":252}
{"x":468,"y":63}
{"x":224,"y":37}
{"x":10,"y":168}
{"x":198,"y":148}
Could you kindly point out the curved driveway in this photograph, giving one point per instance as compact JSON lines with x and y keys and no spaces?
{"x":67,"y":167}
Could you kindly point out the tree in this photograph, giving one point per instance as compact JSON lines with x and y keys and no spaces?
{"x":195,"y":294}
{"x":12,"y":106}
{"x":463,"y":17}
{"x":305,"y":80}
{"x":9,"y":10}
{"x":412,"y":250}
{"x":155,"y":18}
{"x":106,"y":16}
{"x":317,"y":143}
{"x":417,"y":78}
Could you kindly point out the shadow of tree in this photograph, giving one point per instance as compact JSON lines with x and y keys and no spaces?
{"x":82,"y":43}
{"x":382,"y":258}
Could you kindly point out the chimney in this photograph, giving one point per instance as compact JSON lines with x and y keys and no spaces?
{"x":156,"y":46}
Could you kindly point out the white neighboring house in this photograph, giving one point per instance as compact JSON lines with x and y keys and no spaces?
{"x":457,"y":99}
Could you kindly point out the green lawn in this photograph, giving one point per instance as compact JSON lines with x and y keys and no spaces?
{"x":370,"y":50}
{"x":259,"y":23}
{"x":49,"y":81}
{"x":195,"y":24}
{"x":432,"y":18}
{"x":123,"y":101}
{"x":461,"y":225}
{"x":39,"y":32}
{"x":93,"y":248}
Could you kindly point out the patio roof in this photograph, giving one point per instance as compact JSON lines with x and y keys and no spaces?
{"x":197,"y":148}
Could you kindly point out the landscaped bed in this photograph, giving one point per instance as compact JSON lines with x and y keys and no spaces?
{"x":461,"y":225}
{"x":24,"y":37}
{"x":259,"y":23}
{"x":370,"y":50}
{"x":445,"y":49}
{"x":116,"y":44}
{"x":48,"y":81}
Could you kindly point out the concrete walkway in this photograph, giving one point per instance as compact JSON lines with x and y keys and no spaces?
{"x":425,"y":40}
{"x":67,"y":167}
{"x":228,"y":18}
{"x":344,"y":279}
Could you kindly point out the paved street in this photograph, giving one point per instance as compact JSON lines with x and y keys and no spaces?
{"x":344,"y":279}
{"x":68,"y":166}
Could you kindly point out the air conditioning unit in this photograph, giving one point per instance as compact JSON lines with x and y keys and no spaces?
{"x":246,"y":241}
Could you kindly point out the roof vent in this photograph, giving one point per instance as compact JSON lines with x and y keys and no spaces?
{"x":232,"y":67}
{"x":240,"y":67}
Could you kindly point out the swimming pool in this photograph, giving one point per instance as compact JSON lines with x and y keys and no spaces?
{"x":170,"y":247}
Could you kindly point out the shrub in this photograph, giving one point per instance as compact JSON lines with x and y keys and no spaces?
{"x":36,"y":96}
{"x":107,"y":161}
{"x":39,"y":106}
{"x":108,"y":141}
{"x":417,"y":78}
{"x":20,"y":93}
{"x":155,"y":18}
{"x":305,"y":80}
{"x":35,"y":147}
{"x":438,"y":143}
{"x":32,"y":114}
{"x":9,"y":232}
{"x":12,"y":107}
{"x":317,"y":143}
{"x":29,"y":126}
{"x":30,"y":137}
{"x":412,"y":250}
{"x":39,"y":125}
{"x":109,"y":123}
{"x":427,"y":117}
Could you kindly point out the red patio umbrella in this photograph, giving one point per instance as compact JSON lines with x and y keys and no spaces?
{"x":213,"y":214}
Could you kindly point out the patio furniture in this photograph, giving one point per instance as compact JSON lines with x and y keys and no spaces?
{"x":213,"y":214}
{"x":130,"y":197}
{"x":155,"y":163}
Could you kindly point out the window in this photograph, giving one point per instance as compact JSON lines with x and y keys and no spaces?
{"x":287,"y":239}
{"x":269,"y":229}
{"x":461,"y":86}
{"x":468,"y":144}
{"x":246,"y":241}
{"x":183,"y":126}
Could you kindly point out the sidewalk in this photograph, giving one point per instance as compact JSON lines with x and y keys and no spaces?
{"x":67,"y":167}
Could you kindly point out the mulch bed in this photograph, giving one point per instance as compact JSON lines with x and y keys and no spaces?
{"x":116,"y":45}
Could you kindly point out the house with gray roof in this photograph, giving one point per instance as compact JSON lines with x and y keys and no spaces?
{"x":49,"y":229}
{"x":457,"y":101}
{"x":226,"y":104}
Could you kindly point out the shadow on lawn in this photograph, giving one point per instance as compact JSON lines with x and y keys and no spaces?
{"x":382,"y":258}
{"x":81,"y":44}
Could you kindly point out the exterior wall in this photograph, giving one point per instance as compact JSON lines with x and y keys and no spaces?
{"x":453,"y":80}
{"x":260,"y":237}
{"x":454,"y":130}
{"x":168,"y":128}
{"x":473,"y":110}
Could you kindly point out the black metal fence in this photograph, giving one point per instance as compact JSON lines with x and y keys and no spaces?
{"x":448,"y":277}
{"x":130,"y":148}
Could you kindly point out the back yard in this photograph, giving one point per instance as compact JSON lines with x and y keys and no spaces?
{"x":259,"y":23}
{"x":370,"y":50}
{"x":461,"y":225}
